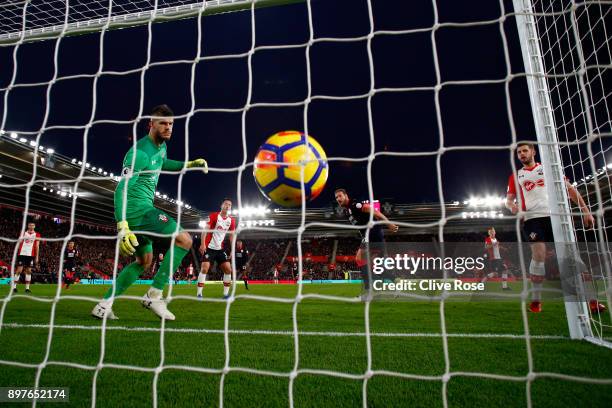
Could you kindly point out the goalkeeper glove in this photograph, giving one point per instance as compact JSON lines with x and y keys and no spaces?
{"x":198,"y":163}
{"x":128,"y":243}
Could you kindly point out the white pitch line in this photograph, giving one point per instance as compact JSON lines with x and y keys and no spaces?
{"x":284,"y":333}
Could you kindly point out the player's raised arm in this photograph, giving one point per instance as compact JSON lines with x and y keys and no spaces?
{"x":177,"y":165}
{"x":380,"y":216}
{"x":574,"y":195}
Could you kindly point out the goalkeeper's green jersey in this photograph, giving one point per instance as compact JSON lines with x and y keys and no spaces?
{"x":150,"y":160}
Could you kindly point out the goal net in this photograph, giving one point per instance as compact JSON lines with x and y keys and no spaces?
{"x":345,"y":77}
{"x":573,"y":55}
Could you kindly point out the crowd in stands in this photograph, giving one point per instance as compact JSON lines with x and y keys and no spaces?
{"x":97,"y":253}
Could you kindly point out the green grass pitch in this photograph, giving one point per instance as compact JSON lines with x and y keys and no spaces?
{"x":405,"y":340}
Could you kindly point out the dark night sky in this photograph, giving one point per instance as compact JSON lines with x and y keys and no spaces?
{"x":402,"y":121}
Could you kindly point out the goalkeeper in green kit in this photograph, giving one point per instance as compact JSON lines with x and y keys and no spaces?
{"x":136,"y":192}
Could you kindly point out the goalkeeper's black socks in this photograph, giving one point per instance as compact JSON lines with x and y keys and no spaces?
{"x":246,"y":283}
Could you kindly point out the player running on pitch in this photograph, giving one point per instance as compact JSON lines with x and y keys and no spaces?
{"x":71,"y":255}
{"x":143,"y":164}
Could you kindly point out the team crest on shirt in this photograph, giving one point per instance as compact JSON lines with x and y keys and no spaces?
{"x":163,"y":218}
{"x":125,"y":171}
{"x":533,"y":236}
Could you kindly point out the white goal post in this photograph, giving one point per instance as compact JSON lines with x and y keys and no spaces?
{"x":543,"y":108}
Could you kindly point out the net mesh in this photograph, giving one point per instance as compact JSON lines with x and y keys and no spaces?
{"x":576,"y":73}
{"x":576,"y":55}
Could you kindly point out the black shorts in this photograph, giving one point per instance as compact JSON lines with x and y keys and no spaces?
{"x":26,"y":261}
{"x":538,"y":230}
{"x":497,"y":265}
{"x":215,"y":255}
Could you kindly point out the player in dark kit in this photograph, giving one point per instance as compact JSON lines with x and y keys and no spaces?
{"x":358,"y":213}
{"x":242,"y":257}
{"x":70,"y":258}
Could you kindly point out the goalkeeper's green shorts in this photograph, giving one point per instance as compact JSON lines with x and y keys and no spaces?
{"x":154,"y":220}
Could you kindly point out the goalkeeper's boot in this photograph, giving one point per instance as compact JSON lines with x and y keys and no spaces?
{"x":101,"y":310}
{"x":535,"y":306}
{"x":15,"y":289}
{"x":28,"y":291}
{"x":596,"y":307}
{"x":157,"y":306}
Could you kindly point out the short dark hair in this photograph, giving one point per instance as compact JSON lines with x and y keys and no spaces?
{"x":531,"y":145}
{"x":162,"y":110}
{"x":227,"y":199}
{"x":340,"y":189}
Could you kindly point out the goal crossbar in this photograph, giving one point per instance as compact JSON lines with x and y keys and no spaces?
{"x":14,"y":33}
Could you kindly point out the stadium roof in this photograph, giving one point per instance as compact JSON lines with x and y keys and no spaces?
{"x":54,"y":186}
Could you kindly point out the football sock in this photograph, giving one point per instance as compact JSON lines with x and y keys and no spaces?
{"x":201,"y":280}
{"x":227,"y":281}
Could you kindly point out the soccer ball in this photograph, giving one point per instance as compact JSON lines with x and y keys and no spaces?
{"x":281,"y":182}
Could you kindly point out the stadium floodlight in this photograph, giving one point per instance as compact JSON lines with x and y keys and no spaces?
{"x":32,"y":143}
{"x":105,"y":173}
{"x":112,"y":175}
{"x":80,"y":163}
{"x":50,"y":150}
{"x":609,"y":166}
{"x":164,"y":196}
{"x":23,"y":140}
{"x":157,"y":194}
{"x":87,"y":165}
{"x":13,"y":135}
{"x":73,"y":161}
{"x":202,"y":223}
{"x":100,"y":170}
{"x":2,"y":132}
{"x":93,"y":168}
{"x":51,"y":190}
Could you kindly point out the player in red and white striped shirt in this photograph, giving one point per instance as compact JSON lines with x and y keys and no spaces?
{"x":537,"y":227}
{"x":496,"y":263}
{"x":27,"y":255}
{"x":218,"y":225}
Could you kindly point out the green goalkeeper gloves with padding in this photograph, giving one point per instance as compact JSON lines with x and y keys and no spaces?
{"x":198,"y":163}
{"x":128,"y":241}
